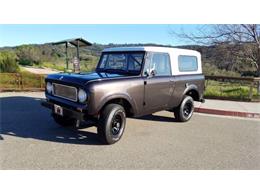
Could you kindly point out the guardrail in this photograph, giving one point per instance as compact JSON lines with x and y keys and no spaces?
{"x":252,"y":83}
{"x":21,"y":82}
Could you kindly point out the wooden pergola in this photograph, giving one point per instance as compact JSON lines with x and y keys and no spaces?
{"x":78,"y":42}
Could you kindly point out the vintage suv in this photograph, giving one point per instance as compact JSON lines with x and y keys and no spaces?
{"x":128,"y":81}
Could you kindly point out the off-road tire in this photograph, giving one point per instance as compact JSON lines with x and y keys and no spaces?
{"x":184,"y":111}
{"x":111,"y":124}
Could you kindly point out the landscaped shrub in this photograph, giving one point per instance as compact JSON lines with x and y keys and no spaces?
{"x":8,"y":62}
{"x":25,"y":62}
{"x":212,"y":70}
{"x":28,"y":55}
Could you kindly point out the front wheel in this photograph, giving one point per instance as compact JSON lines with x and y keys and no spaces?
{"x":185,"y":110}
{"x":111,"y":123}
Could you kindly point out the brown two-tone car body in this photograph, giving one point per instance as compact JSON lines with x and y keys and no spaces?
{"x":128,"y":81}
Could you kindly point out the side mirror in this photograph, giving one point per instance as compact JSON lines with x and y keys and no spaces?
{"x":146,"y":73}
{"x":152,"y":72}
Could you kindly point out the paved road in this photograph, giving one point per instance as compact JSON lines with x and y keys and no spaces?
{"x":31,"y":140}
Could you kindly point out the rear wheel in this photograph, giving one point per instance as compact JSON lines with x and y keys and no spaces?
{"x":111,"y":123}
{"x":64,"y":121}
{"x":185,"y":110}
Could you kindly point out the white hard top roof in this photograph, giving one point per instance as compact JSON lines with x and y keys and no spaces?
{"x":151,"y":49}
{"x":174,"y":53}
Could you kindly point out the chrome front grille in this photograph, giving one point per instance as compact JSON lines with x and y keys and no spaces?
{"x":64,"y":91}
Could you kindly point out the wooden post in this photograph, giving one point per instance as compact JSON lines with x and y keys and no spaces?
{"x":41,"y":86}
{"x":67,"y":59}
{"x":78,"y":49}
{"x":251,"y":90}
{"x":17,"y":80}
{"x":76,"y":60}
{"x":206,"y":82}
{"x":21,"y":80}
{"x":258,"y":87}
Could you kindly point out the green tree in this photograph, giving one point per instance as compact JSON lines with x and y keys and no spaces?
{"x":238,"y":42}
{"x":28,"y":55}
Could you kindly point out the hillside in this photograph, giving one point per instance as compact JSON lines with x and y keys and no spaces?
{"x":216,"y":61}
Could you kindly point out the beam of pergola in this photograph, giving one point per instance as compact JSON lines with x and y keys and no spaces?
{"x":77,"y":42}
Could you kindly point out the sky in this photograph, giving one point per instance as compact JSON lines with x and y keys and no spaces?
{"x":13,"y":35}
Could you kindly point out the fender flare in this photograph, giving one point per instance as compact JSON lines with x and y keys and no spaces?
{"x":117,"y":96}
{"x":190,"y":87}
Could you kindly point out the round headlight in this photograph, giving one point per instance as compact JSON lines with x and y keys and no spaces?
{"x":82,"y":95}
{"x":49,"y":87}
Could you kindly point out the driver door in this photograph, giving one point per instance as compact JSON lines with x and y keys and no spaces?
{"x":157,"y":82}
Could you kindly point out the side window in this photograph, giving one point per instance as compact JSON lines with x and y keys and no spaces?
{"x":187,"y":63}
{"x":147,"y":64}
{"x":160,"y":62}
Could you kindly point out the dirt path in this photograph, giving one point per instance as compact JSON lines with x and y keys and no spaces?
{"x":40,"y":70}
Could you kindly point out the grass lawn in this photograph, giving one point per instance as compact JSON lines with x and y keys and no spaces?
{"x":52,"y":66}
{"x":23,"y":80}
{"x":229,"y":90}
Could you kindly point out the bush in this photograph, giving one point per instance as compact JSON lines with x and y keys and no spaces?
{"x":8,"y":62}
{"x":212,"y":70}
{"x":28,"y":55}
{"x":229,"y":90}
{"x":25,"y":62}
{"x":27,"y":81}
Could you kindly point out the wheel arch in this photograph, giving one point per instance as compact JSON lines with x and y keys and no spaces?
{"x":122,"y":100}
{"x":192,"y":90}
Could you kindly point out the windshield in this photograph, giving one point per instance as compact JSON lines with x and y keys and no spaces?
{"x":129,"y":62}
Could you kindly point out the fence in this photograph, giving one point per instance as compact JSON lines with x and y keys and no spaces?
{"x":244,"y":88}
{"x":21,"y":82}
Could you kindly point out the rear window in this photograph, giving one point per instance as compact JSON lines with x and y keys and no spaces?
{"x":187,"y":63}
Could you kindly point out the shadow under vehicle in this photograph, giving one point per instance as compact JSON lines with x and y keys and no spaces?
{"x":24,"y":117}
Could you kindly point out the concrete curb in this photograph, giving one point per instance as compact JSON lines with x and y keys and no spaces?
{"x":227,"y":113}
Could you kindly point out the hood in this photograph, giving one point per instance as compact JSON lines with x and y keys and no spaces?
{"x":81,"y":78}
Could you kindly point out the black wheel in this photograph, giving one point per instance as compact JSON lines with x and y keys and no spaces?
{"x":64,"y":121}
{"x":111,"y":124}
{"x":185,"y":110}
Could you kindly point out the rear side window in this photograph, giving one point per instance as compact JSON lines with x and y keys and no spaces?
{"x":187,"y":63}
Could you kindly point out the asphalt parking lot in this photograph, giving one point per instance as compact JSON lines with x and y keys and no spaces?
{"x":30,"y":139}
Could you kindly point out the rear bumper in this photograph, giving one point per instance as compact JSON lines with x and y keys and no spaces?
{"x":66,"y":112}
